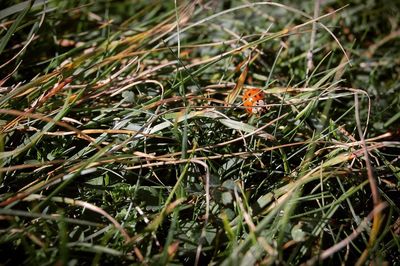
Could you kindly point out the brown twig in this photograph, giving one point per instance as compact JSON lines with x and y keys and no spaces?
{"x":374,"y":189}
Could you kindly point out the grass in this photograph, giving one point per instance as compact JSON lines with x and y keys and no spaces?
{"x":124,"y":139}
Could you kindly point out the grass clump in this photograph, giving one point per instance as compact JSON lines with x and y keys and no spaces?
{"x":124,"y":138}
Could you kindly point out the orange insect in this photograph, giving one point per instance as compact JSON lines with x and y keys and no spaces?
{"x":253,"y":99}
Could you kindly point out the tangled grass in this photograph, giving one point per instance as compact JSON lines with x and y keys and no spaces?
{"x":124,"y":138}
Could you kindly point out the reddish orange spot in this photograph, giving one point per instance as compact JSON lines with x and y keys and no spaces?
{"x":252,"y":98}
